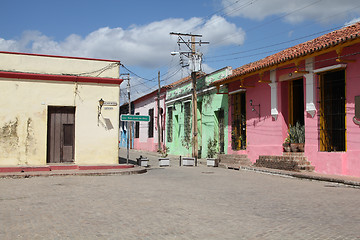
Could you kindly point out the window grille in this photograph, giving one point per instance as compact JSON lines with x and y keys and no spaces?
{"x":187,"y":121}
{"x":137,"y":128}
{"x":238,"y":133}
{"x":221,"y":118}
{"x":332,"y":113}
{"x":151,"y":124}
{"x":169,"y":126}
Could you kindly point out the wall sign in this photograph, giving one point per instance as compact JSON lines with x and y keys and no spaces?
{"x":108,"y":103}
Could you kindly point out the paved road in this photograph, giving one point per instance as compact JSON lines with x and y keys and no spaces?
{"x":178,"y":203}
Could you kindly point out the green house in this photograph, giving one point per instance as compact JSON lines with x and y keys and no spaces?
{"x":212,"y":114}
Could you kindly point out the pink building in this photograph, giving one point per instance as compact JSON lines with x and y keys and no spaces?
{"x":315,"y":84}
{"x":146,"y":133}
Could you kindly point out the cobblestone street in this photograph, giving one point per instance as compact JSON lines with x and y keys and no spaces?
{"x":178,"y":203}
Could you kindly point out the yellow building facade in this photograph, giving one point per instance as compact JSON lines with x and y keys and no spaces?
{"x":58,"y":110}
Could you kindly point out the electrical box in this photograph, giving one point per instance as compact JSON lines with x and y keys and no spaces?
{"x":357,"y":107}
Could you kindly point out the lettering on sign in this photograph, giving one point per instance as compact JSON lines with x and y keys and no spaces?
{"x":108,"y":103}
{"x":135,"y":118}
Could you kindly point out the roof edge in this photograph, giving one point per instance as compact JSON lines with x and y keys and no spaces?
{"x":56,"y":56}
{"x":60,"y":78}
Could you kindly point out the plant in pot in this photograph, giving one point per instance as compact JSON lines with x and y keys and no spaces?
{"x":164,"y":160}
{"x":212,"y":150}
{"x":187,"y":143}
{"x":297,"y":137}
{"x":286,"y":144}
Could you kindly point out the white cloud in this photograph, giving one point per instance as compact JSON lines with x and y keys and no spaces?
{"x":142,"y":46}
{"x":294,"y":11}
{"x":355,"y":20}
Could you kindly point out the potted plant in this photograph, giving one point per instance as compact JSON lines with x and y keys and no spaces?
{"x":212,"y":151}
{"x":297,"y":137}
{"x":164,"y":160}
{"x":187,"y":161}
{"x":286,"y":144}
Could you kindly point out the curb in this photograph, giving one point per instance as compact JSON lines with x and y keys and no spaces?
{"x":302,"y":176}
{"x":129,"y":171}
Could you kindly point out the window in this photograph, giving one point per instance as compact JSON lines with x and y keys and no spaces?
{"x":169,"y":126}
{"x":238,"y":133}
{"x":221,"y":121}
{"x":187,"y":121}
{"x":332,"y":111}
{"x":151,"y":124}
{"x":137,"y":128}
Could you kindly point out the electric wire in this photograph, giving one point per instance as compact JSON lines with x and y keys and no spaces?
{"x":268,"y":46}
{"x":271,"y":21}
{"x":284,"y":42}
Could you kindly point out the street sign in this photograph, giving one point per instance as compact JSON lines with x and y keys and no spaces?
{"x":135,"y":118}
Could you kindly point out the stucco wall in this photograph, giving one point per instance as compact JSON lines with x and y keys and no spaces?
{"x":142,"y":106}
{"x":266,"y":134}
{"x":58,"y":65}
{"x":23,"y":121}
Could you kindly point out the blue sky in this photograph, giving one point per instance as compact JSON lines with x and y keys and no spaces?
{"x":137,"y":32}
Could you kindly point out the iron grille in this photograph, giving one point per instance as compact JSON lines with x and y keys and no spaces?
{"x":332,"y":113}
{"x":169,"y":126}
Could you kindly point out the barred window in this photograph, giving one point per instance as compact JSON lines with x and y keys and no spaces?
{"x":187,"y":120}
{"x":137,"y":128}
{"x":332,"y":111}
{"x":151,"y":124}
{"x":169,"y":126}
{"x":238,"y":133}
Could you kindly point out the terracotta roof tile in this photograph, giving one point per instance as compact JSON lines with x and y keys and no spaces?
{"x":325,"y":41}
{"x":185,"y":79}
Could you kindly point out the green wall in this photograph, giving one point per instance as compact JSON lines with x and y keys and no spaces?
{"x":209,"y":106}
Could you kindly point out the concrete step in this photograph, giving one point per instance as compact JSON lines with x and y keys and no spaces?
{"x":291,"y":162}
{"x":233,"y":161}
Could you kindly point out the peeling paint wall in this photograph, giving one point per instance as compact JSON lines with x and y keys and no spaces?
{"x":23,"y":121}
{"x":24,"y":111}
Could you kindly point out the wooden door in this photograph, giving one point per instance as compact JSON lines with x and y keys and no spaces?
{"x":61,"y":134}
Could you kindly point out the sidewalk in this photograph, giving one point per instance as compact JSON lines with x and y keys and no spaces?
{"x":131,"y":168}
{"x":174,"y":161}
{"x":69,"y":170}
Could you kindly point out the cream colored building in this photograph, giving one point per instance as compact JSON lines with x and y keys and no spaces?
{"x":51,"y":113}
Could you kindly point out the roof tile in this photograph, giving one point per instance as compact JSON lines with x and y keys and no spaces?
{"x":325,"y":41}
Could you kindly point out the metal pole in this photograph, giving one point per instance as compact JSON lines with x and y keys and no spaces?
{"x":158,"y":115}
{"x":128,"y":124}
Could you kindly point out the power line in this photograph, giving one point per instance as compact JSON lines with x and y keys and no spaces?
{"x":271,"y":21}
{"x":272,"y":45}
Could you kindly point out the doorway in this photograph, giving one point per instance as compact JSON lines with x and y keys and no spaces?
{"x":61,"y":134}
{"x":296,"y":102}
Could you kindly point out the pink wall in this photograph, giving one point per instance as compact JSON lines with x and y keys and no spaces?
{"x":341,"y":163}
{"x":265,"y":135}
{"x":142,"y":106}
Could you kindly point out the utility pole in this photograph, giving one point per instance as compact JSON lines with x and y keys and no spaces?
{"x":158,"y":115}
{"x":128,"y":124}
{"x":195,"y":65}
